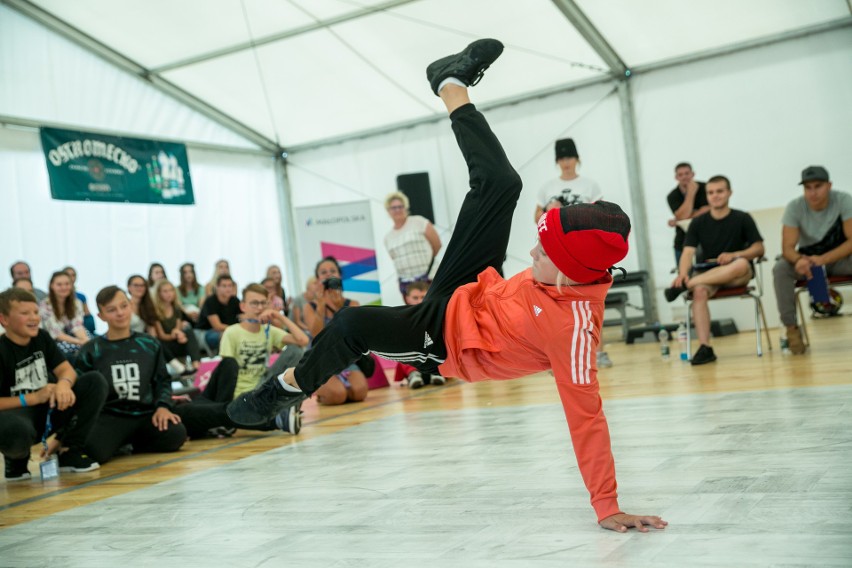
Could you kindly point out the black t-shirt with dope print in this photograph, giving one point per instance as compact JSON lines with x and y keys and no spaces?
{"x":135,"y":371}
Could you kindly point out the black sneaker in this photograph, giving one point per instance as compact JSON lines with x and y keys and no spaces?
{"x":466,"y":66}
{"x":17,"y":470}
{"x":76,"y":461}
{"x":258,"y":406}
{"x":673,"y":293}
{"x":703,"y":355}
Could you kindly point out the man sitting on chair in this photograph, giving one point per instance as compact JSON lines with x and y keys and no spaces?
{"x":729,"y":241}
{"x":817,"y":231}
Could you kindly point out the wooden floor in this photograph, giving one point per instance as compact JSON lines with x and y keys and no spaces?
{"x":638,"y":375}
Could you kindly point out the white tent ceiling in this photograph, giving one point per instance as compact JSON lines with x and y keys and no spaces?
{"x":295,"y":72}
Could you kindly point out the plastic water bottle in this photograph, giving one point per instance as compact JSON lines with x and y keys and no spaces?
{"x":681,"y":341}
{"x":663,"y":336}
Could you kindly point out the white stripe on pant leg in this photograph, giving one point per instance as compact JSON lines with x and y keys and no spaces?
{"x":409,"y":357}
{"x":590,"y":351}
{"x":584,"y":343}
{"x":574,"y":343}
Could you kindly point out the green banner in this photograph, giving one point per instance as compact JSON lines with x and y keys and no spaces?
{"x":84,"y":166}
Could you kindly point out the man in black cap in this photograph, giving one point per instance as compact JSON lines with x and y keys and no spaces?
{"x":817,"y":231}
{"x":569,"y":188}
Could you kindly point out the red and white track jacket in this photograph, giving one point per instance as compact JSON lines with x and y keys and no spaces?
{"x":505,"y":329}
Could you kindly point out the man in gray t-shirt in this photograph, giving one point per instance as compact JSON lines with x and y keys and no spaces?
{"x":817,"y":231}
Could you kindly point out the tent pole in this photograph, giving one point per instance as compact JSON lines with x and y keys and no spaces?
{"x":621,"y":73}
{"x":637,"y":192}
{"x":288,"y":228}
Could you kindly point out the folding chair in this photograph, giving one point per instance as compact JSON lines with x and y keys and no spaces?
{"x":754,"y":292}
{"x":802,"y":286}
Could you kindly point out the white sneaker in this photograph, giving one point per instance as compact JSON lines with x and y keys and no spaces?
{"x":604,"y":360}
{"x":415,"y":380}
{"x":437,"y":380}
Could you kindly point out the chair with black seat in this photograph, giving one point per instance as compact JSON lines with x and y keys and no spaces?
{"x":754,"y":292}
{"x":802,"y":287}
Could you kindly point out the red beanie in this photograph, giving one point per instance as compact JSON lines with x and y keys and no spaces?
{"x":586,"y":239}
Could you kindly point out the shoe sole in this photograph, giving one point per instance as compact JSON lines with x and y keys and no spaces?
{"x":438,"y":383}
{"x":72,"y":469}
{"x":295,"y":422}
{"x":414,"y":385}
{"x":24,"y":477}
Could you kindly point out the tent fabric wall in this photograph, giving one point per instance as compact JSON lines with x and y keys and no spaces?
{"x":46,"y":78}
{"x":278,"y":67}
{"x":235,"y":217}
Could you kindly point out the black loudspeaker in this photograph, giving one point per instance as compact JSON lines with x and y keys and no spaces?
{"x":416,"y":187}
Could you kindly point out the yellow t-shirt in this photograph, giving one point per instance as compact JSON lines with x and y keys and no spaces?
{"x":251,"y":351}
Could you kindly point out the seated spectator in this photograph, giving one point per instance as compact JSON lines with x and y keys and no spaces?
{"x":415,"y":379}
{"x":351,"y":384}
{"x":729,"y":242}
{"x":24,"y":284}
{"x":173,"y":329}
{"x":62,"y":316}
{"x":222,"y":268}
{"x":144,"y":315}
{"x":138,"y":408}
{"x":298,"y":306}
{"x":156,"y":272}
{"x":219,"y":311}
{"x":88,"y":318}
{"x":275,"y":301}
{"x":190,"y":292}
{"x":36,"y":380}
{"x":274,"y":272}
{"x":817,"y":231}
{"x":246,"y":348}
{"x":22,"y":270}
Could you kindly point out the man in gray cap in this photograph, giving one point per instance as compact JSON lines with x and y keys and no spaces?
{"x":817,"y":231}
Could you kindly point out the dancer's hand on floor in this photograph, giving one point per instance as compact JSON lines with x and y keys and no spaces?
{"x":620,"y":522}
